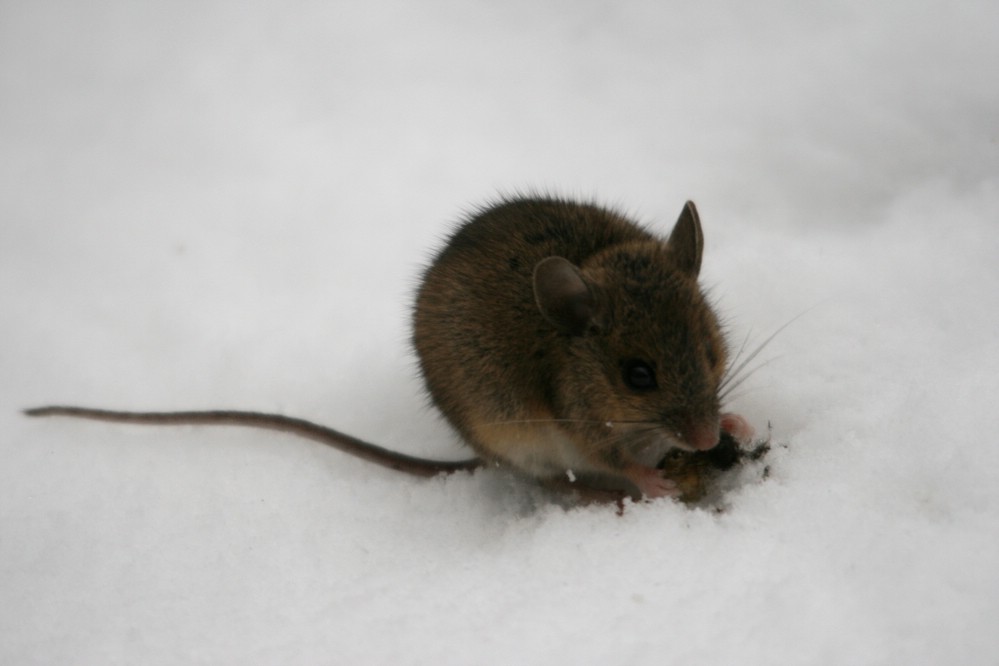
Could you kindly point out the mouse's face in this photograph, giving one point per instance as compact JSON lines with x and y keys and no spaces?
{"x":644,"y":376}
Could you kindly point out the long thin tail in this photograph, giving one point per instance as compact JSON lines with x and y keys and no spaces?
{"x":338,"y":440}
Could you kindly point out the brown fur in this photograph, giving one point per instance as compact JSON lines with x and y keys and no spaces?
{"x":543,"y":391}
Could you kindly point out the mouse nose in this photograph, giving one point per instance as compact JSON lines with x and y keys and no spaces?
{"x":704,"y":436}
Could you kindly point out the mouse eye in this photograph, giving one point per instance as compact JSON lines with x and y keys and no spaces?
{"x":638,"y":375}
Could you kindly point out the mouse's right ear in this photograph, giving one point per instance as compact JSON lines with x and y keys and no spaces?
{"x":563,"y":296}
{"x":686,"y":241}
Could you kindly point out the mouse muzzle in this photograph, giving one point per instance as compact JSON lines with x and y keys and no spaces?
{"x":700,"y":436}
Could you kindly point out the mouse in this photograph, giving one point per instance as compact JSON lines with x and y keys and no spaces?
{"x":561,"y":340}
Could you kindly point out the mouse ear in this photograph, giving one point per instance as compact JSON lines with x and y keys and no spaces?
{"x":686,"y":241}
{"x":562,"y":295}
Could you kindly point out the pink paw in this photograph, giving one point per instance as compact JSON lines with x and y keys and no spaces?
{"x":738,"y":427}
{"x":651,"y":482}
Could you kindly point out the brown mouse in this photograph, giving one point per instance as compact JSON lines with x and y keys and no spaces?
{"x":559,"y":339}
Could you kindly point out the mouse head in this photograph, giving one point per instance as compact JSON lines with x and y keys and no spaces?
{"x":640,"y":355}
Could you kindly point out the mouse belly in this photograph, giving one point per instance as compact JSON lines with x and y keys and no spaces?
{"x":539,"y":449}
{"x":543,"y":450}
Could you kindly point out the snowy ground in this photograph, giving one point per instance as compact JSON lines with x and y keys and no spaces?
{"x":224,"y":204}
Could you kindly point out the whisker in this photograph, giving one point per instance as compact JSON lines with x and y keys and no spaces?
{"x":738,"y":354}
{"x":606,"y":422}
{"x":727,"y":388}
{"x":639,"y":431}
{"x":733,"y":373}
{"x":577,"y":421}
{"x":630,"y":435}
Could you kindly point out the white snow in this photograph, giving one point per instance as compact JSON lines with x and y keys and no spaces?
{"x":224,"y":204}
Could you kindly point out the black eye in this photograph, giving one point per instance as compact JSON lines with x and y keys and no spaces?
{"x":639,"y":375}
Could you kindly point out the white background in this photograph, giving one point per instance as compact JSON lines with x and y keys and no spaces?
{"x":228,"y":204}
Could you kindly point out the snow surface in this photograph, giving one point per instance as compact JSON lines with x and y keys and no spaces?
{"x":222,"y":204}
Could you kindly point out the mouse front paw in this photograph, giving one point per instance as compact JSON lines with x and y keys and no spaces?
{"x":652,"y":483}
{"x":738,"y":427}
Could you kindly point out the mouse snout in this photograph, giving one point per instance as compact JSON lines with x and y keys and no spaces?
{"x":704,"y":436}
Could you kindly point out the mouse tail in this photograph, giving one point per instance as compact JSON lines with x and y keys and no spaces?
{"x":300,"y":427}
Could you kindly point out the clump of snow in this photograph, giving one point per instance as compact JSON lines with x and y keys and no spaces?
{"x":229,"y":206}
